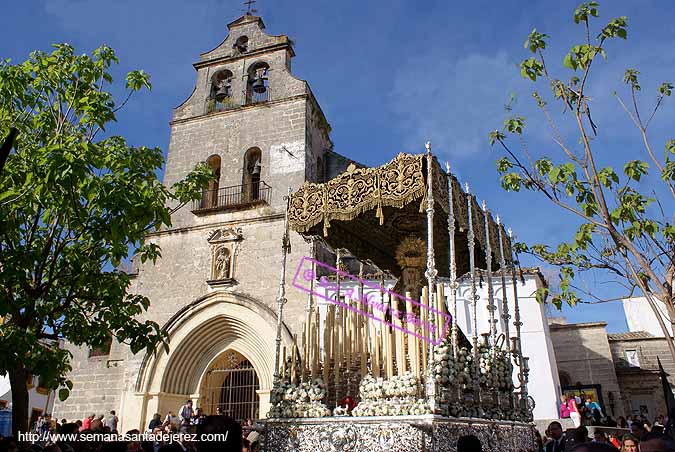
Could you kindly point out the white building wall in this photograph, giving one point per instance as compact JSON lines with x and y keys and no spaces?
{"x":36,"y":401}
{"x":641,"y":317}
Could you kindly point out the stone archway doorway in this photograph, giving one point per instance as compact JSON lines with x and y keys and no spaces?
{"x":231,"y":385}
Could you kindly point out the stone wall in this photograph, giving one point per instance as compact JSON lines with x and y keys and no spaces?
{"x":641,"y":385}
{"x":583,"y":355}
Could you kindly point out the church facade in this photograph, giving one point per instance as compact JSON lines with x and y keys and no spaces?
{"x":215,"y":288}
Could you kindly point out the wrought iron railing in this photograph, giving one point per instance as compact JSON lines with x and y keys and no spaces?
{"x":213,"y":105}
{"x":253,"y":97}
{"x":236,"y":196}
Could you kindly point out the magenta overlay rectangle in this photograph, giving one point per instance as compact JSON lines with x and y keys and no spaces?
{"x":305,"y":274}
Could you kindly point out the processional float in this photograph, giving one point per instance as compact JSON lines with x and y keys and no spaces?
{"x":374,"y":370}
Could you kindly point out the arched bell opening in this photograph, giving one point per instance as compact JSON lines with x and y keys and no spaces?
{"x":251,"y":174}
{"x":210,"y":194}
{"x":221,"y":94}
{"x":257,"y":86}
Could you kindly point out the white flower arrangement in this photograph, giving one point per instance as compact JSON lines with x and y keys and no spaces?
{"x":303,"y":400}
{"x":393,"y":397}
{"x":392,"y":407}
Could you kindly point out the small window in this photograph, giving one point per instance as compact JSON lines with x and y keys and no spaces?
{"x":632,"y":358}
{"x":103,"y":350}
{"x":241,"y":45}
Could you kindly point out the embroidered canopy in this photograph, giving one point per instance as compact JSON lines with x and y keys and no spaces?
{"x":370,"y":211}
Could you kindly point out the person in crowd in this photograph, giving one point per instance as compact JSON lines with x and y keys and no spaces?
{"x":600,"y":437}
{"x":593,"y":447}
{"x":97,"y":423}
{"x":614,"y":441}
{"x":52,"y":448}
{"x":198,"y":417}
{"x":595,"y":410}
{"x":171,"y":419}
{"x":610,"y":422}
{"x":133,"y":446}
{"x":229,"y":430}
{"x":656,"y":442}
{"x":245,"y":445}
{"x":646,"y":425}
{"x":564,"y":409}
{"x":86,"y":423}
{"x":111,"y":421}
{"x":469,"y":443}
{"x":539,"y":441}
{"x":636,"y":429}
{"x":253,"y":437}
{"x":185,"y":415}
{"x":155,"y":422}
{"x":557,"y":441}
{"x":577,"y":436}
{"x":621,"y":422}
{"x":629,"y":443}
{"x":573,"y":408}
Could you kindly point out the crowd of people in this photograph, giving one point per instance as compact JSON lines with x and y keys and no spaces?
{"x":183,"y":431}
{"x":642,"y":438}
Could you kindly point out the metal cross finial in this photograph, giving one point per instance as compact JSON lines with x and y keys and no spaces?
{"x":249,"y":4}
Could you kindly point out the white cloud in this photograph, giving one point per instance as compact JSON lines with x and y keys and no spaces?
{"x":453,"y":102}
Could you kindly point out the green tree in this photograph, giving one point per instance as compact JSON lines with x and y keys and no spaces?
{"x":625,"y":233}
{"x":72,"y":208}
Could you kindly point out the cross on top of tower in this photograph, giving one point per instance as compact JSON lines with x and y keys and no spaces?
{"x":249,"y":6}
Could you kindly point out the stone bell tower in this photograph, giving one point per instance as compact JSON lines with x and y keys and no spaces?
{"x":256,"y":124}
{"x":215,"y":287}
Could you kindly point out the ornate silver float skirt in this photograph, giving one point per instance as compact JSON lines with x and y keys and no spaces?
{"x":426,"y":433}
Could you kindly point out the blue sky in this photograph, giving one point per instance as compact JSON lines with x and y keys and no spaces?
{"x":388,"y":74}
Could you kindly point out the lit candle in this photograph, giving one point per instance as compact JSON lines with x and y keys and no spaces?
{"x":327,"y":343}
{"x":294,"y":352}
{"x":440,"y":306}
{"x":378,"y":354}
{"x":424,"y":311}
{"x":413,"y":352}
{"x":388,"y":342}
{"x":316,"y":344}
{"x":284,"y":361}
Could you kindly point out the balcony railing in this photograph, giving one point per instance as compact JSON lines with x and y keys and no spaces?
{"x":255,"y":98}
{"x":234,"y":197}
{"x":213,"y":105}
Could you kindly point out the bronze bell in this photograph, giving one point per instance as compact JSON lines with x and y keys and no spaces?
{"x":256,"y":168}
{"x":222,"y":92}
{"x":259,"y":85}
